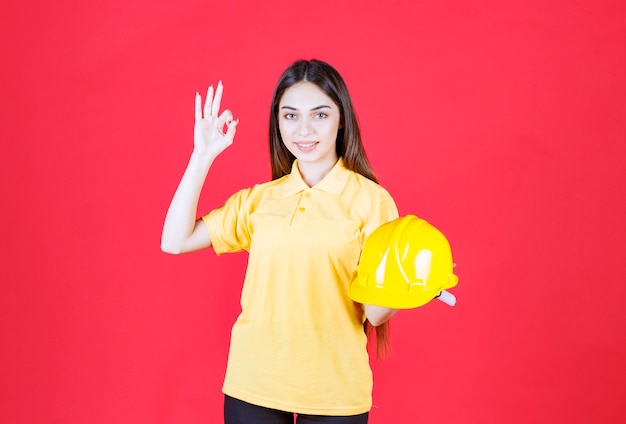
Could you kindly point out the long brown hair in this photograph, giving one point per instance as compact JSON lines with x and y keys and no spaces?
{"x":349,"y":145}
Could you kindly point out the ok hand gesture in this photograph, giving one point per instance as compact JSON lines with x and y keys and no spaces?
{"x":212,"y":132}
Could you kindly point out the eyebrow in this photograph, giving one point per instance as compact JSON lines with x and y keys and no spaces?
{"x":315,"y":108}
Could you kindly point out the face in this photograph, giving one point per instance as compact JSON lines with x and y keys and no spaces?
{"x":308,"y":121}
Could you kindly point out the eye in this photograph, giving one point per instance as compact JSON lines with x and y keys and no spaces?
{"x":321,"y":115}
{"x":290,"y":116}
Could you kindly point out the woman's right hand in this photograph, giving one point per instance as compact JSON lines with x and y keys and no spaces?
{"x":210,"y":137}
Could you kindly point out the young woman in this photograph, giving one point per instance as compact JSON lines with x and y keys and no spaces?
{"x":298,"y":345}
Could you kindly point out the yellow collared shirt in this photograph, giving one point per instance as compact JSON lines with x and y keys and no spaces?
{"x":298,"y":344}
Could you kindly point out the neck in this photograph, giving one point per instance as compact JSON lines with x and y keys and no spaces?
{"x":313,"y":173}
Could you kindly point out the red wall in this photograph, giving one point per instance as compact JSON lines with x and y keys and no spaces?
{"x":501,"y":122}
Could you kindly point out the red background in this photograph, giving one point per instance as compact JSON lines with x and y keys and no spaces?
{"x":501,"y":122}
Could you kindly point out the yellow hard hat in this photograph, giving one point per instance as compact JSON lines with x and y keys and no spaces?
{"x":405,"y":263}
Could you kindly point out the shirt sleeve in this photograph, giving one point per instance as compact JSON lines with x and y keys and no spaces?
{"x":383,"y":211}
{"x":228,"y":225}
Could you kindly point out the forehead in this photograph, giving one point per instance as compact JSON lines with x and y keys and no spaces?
{"x":305,"y":95}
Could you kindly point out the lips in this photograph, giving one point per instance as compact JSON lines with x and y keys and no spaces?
{"x":306,"y":146}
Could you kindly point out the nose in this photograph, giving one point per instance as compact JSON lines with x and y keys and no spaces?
{"x":305,"y":126}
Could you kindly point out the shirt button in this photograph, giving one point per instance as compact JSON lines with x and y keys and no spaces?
{"x":307,"y":194}
{"x":301,"y":209}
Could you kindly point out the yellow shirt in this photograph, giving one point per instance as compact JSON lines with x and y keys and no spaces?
{"x":298,"y":344}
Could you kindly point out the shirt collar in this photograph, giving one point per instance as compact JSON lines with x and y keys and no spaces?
{"x":333,"y":182}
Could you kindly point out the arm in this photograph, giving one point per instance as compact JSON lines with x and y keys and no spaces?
{"x":378,"y":315}
{"x":181,"y":231}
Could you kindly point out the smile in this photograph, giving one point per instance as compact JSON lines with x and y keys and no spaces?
{"x":305,"y":147}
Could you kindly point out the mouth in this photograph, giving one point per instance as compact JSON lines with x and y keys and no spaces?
{"x":306,"y":146}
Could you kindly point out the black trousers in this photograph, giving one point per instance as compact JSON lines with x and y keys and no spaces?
{"x":240,"y":412}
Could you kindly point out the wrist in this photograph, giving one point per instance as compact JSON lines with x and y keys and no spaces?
{"x":202,"y":156}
